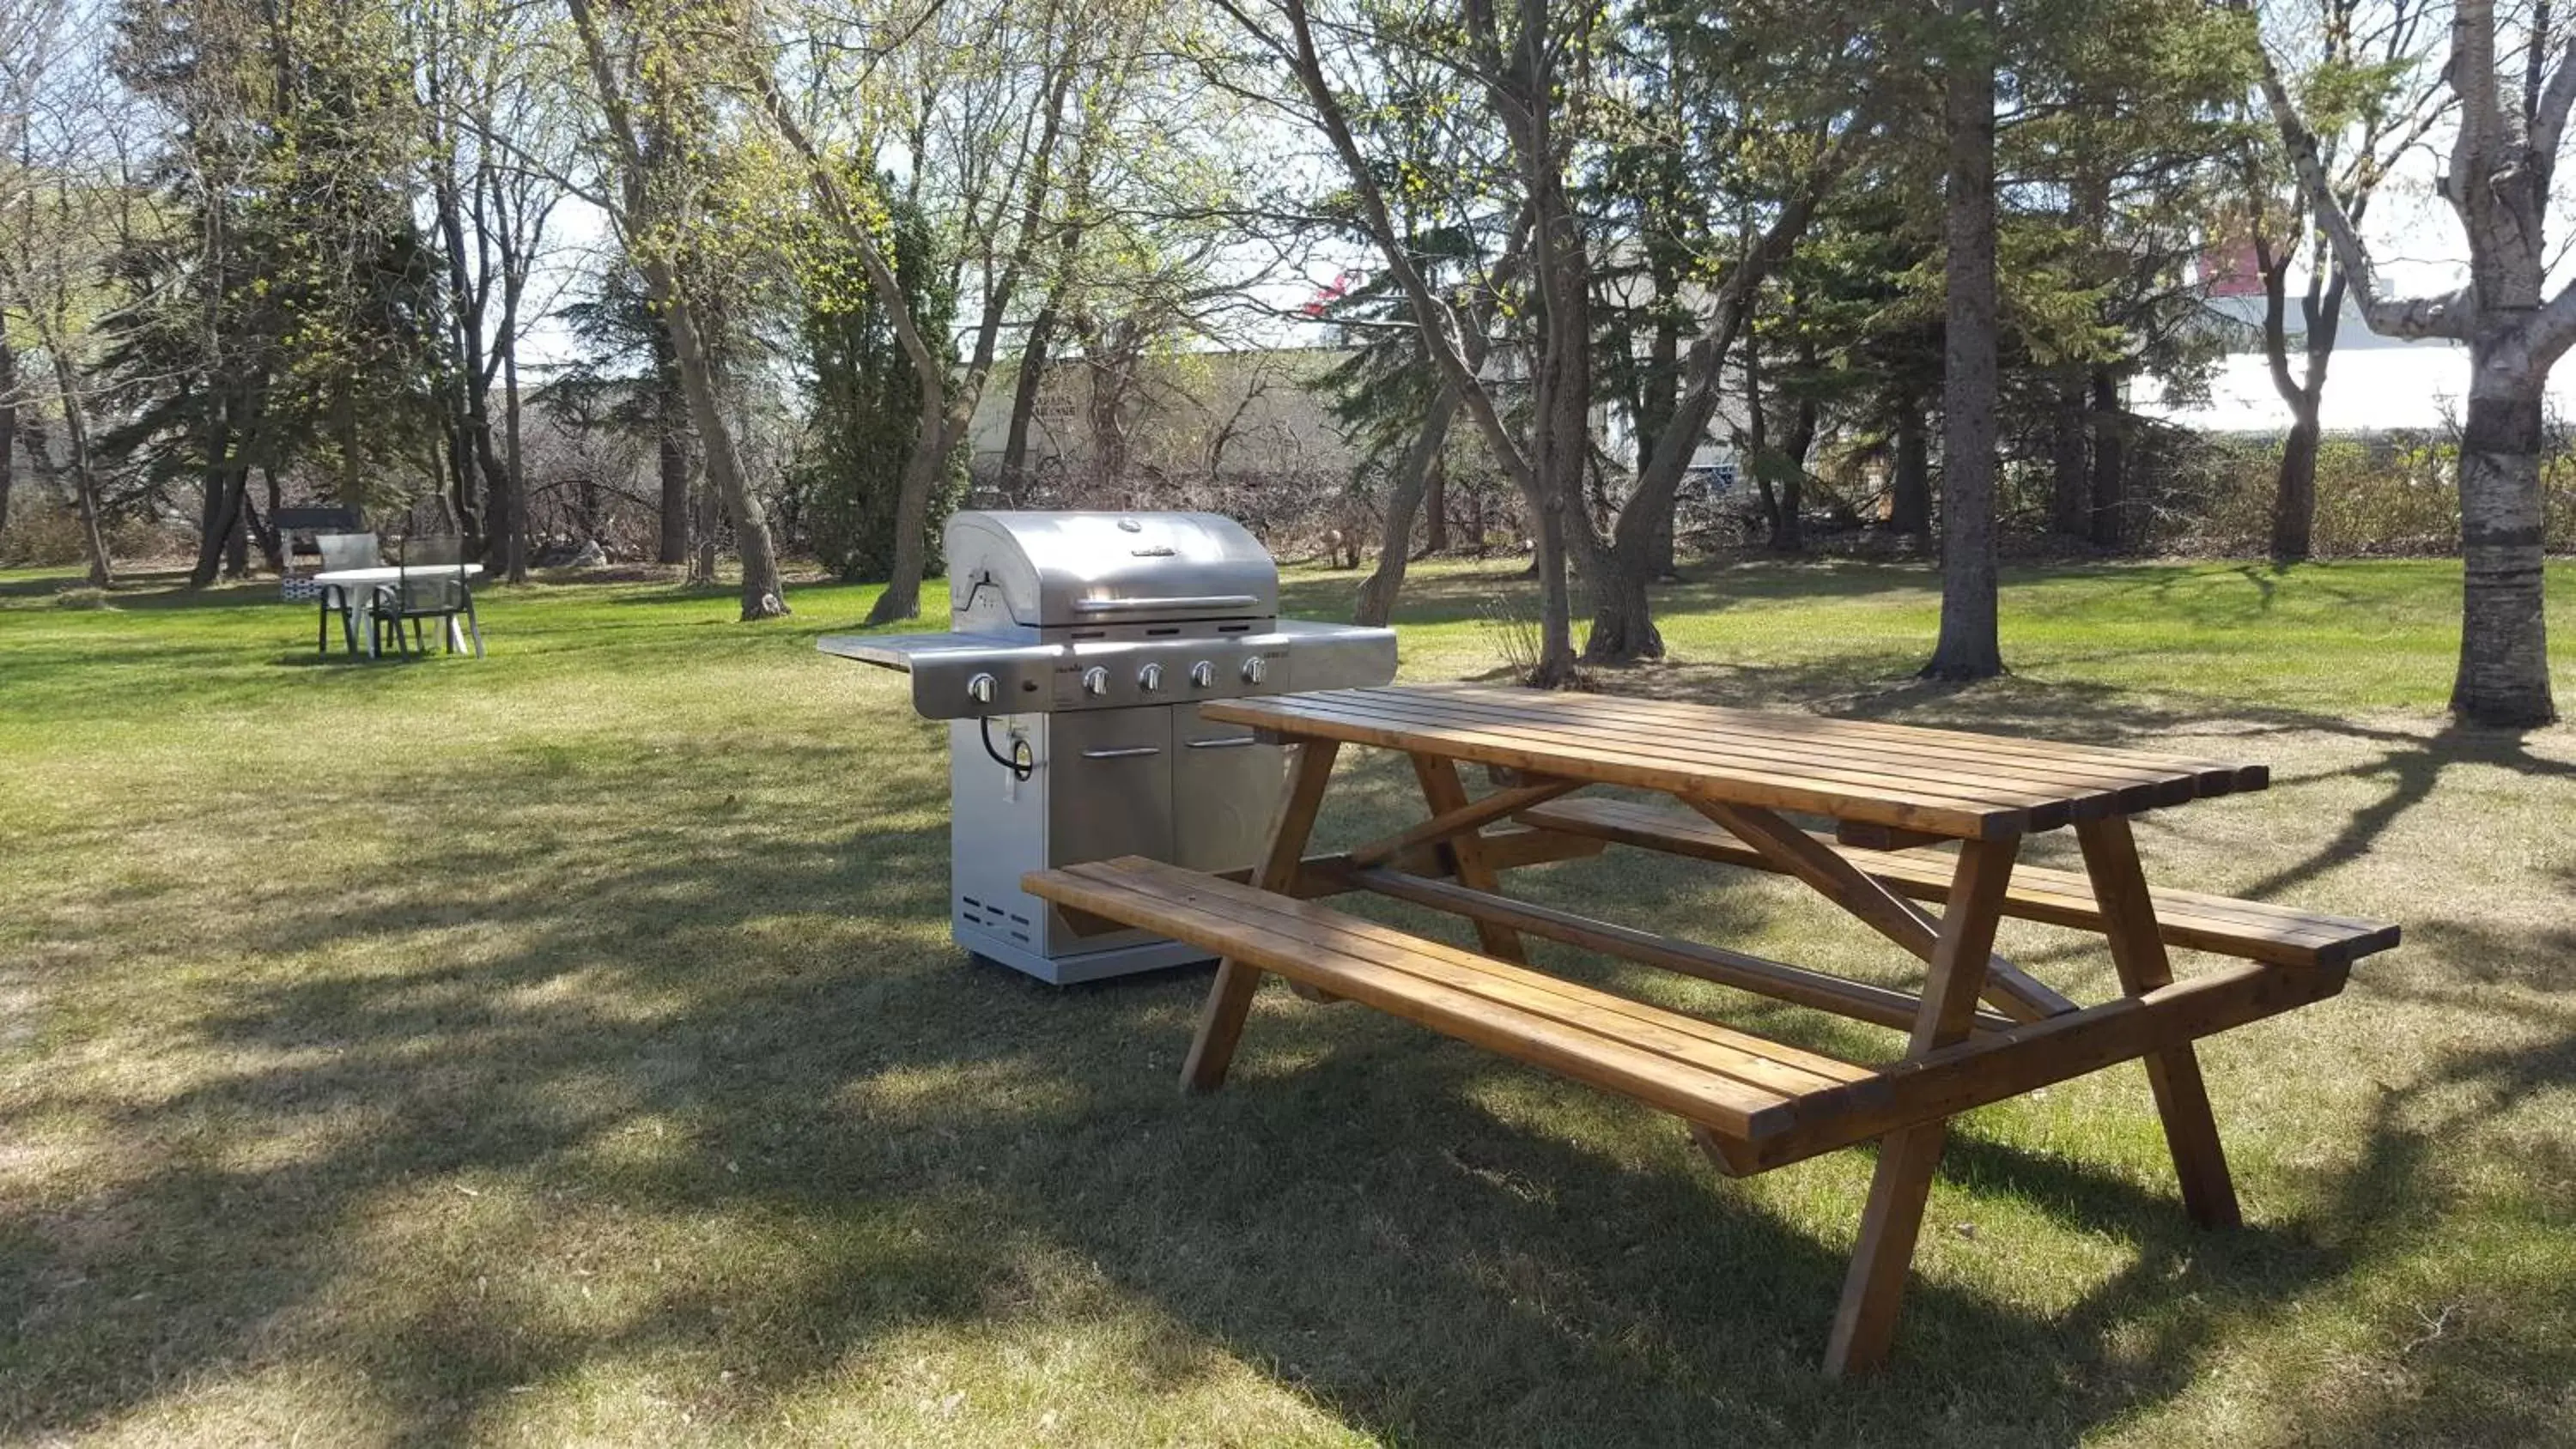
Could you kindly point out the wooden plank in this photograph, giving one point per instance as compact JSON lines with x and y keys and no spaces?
{"x":1967,"y":769}
{"x":1229,"y":998}
{"x":1874,"y":1290}
{"x":2255,"y":930}
{"x":1464,"y":818}
{"x":1447,"y":795}
{"x":1858,"y":1000}
{"x":1704,"y":1045}
{"x":1949,"y":817}
{"x":2217,"y":776}
{"x":1787,"y":848}
{"x":1724,"y":1103}
{"x":1875,"y":778}
{"x":2138,"y":953}
{"x":1989,"y":1069}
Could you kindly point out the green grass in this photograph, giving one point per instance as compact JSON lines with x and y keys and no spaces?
{"x":567,"y":1048}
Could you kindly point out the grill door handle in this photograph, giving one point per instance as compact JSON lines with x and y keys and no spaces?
{"x":1193,"y":601}
{"x":1132,"y":752}
{"x":1228,"y":743}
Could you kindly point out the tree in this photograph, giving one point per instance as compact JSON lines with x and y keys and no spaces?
{"x":863,"y":390}
{"x":648,"y":217}
{"x":2358,"y":95}
{"x":2501,"y":164}
{"x":61,"y":195}
{"x":495,"y":144}
{"x":287,"y":309}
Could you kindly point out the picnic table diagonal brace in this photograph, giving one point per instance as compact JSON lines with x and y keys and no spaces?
{"x":1229,"y":998}
{"x":2013,"y":991}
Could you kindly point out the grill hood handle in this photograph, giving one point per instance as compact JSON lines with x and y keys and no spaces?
{"x":1195,"y":601}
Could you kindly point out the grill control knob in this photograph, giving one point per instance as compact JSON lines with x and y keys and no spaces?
{"x":1150,"y":678}
{"x":981,"y":688}
{"x":1095,"y":680}
{"x":1203,"y":675}
{"x":1255,"y":669}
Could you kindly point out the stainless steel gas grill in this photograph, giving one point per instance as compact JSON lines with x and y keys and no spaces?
{"x":1080,"y":647}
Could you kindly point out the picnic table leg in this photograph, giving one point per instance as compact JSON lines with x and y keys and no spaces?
{"x":1229,"y":998}
{"x":1445,"y":792}
{"x":1865,"y":1323}
{"x":2138,"y":951}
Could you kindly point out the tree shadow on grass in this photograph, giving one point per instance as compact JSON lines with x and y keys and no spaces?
{"x":635,"y":1020}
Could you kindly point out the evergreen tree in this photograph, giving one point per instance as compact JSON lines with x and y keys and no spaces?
{"x":866,"y":398}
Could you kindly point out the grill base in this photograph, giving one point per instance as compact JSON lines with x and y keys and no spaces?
{"x":1085,"y":966}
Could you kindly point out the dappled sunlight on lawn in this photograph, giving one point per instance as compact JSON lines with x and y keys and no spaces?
{"x":567,"y":1046}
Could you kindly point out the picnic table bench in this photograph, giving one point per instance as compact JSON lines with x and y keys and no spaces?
{"x":1979,"y":1030}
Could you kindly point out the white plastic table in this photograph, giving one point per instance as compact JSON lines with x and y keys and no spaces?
{"x":353,"y":584}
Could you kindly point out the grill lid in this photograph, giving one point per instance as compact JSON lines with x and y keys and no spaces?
{"x":1053,"y":570}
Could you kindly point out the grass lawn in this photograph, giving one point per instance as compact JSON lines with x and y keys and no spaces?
{"x":568,"y":1048}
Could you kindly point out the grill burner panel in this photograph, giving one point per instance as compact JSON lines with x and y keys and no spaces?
{"x":1091,"y":639}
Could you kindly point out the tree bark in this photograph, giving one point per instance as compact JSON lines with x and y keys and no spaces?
{"x":1025,"y":392}
{"x":8,"y":424}
{"x":671,"y":444}
{"x":2294,"y":485}
{"x":84,"y":476}
{"x":1909,"y":505}
{"x":2070,"y":494}
{"x":2110,"y":461}
{"x":1435,"y":509}
{"x":1968,"y":647}
{"x":219,"y":499}
{"x":510,"y":523}
{"x":1791,"y":535}
{"x":2504,"y":640}
{"x":1420,"y":464}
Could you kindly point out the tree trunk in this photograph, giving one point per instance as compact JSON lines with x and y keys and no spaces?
{"x":1026,"y":389}
{"x":2070,"y":494}
{"x":763,"y":595}
{"x":1413,"y":476}
{"x":1969,"y":647}
{"x":8,"y":424}
{"x":84,"y":476}
{"x":1757,"y":440}
{"x":1791,"y":535}
{"x":2504,"y":643}
{"x":706,"y":530}
{"x":1435,"y":508}
{"x":2294,"y":490}
{"x":671,"y":428}
{"x":1909,"y":505}
{"x":511,"y":522}
{"x":2110,"y":462}
{"x":237,"y":537}
{"x":2294,"y":487}
{"x":219,"y":504}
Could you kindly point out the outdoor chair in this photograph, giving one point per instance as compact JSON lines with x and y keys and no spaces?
{"x":341,"y":551}
{"x":432,"y":586}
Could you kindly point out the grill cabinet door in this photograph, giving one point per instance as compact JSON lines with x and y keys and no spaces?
{"x":1109,"y":793}
{"x":1225,"y":792}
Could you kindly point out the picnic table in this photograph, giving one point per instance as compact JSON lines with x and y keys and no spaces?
{"x":1979,"y":1030}
{"x":355,"y":585}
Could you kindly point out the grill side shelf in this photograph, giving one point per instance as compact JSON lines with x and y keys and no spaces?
{"x":944,"y":666}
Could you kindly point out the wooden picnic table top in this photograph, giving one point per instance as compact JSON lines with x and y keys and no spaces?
{"x":1940,"y":782}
